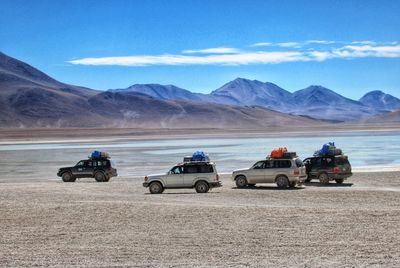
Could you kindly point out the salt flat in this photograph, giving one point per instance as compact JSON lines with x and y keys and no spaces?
{"x":118,"y":224}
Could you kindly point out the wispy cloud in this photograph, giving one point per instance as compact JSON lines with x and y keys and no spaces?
{"x":214,"y":50}
{"x":226,"y":59}
{"x":262,"y":44}
{"x":235,"y":56}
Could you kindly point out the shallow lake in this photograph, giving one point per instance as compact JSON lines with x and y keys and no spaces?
{"x":141,"y":157}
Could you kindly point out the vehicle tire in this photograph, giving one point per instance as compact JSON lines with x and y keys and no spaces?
{"x":241,"y":181}
{"x":308,"y":179}
{"x":108,"y":178}
{"x":100,"y":176}
{"x":323,"y":178}
{"x":156,"y":188}
{"x":67,"y":177}
{"x":282,"y":182}
{"x":251,"y":185}
{"x":339,"y":181}
{"x":202,"y":187}
{"x":292,"y":184}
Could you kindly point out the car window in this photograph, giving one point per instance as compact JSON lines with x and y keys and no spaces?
{"x":80,"y":164}
{"x":88,"y":164}
{"x":190,"y":169}
{"x":282,"y":164}
{"x":206,"y":169}
{"x":259,"y":165}
{"x":176,"y":170}
{"x":341,"y":161}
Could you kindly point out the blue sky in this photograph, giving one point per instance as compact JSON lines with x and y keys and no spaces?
{"x":349,"y":46}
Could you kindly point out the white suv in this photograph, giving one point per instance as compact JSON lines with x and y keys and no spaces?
{"x":200,"y":175}
{"x":284,"y":172}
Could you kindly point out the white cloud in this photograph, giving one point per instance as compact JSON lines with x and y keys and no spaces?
{"x":351,"y":51}
{"x":234,"y":56}
{"x":262,"y":44}
{"x":214,"y":50}
{"x":369,"y":42}
{"x":322,"y":42}
{"x":226,"y":59}
{"x":289,"y":44}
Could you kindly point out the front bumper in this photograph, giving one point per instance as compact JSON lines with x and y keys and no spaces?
{"x":146,"y":184}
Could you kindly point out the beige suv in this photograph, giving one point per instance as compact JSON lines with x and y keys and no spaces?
{"x":201,"y":175}
{"x":284,"y":172}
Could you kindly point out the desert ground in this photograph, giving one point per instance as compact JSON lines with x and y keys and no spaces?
{"x":119,"y":224}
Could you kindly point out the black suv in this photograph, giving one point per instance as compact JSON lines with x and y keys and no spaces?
{"x":102,"y":169}
{"x":328,"y":168}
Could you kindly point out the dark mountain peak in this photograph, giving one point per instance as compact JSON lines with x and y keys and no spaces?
{"x":23,"y":70}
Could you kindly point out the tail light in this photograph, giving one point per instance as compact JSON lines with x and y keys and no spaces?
{"x":217,"y":177}
{"x":296,"y":172}
{"x":336,"y":170}
{"x":146,"y":178}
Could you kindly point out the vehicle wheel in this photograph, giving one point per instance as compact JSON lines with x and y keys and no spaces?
{"x":100,"y":177}
{"x":251,"y":185}
{"x":282,"y":182}
{"x":156,"y":188}
{"x":241,"y":181}
{"x":308,"y":179}
{"x":339,"y":181}
{"x":202,"y":187}
{"x":107,"y":178}
{"x":323,"y":178}
{"x":67,"y":177}
{"x":292,"y":184}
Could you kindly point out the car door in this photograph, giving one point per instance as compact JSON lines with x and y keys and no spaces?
{"x":79,"y":169}
{"x":269,"y":171}
{"x":190,"y":174}
{"x":174,"y":177}
{"x":257,"y":173}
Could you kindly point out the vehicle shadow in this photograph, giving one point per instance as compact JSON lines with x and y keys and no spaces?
{"x":331,"y":184}
{"x":265,"y":188}
{"x":181,"y":193}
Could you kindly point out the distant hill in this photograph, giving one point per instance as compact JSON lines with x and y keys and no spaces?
{"x":379,"y":100}
{"x":30,"y":98}
{"x":252,"y":92}
{"x":163,"y":92}
{"x":387,"y":118}
{"x":320,"y":102}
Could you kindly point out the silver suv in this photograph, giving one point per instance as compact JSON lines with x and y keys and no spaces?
{"x":284,"y":172}
{"x":201,"y":175}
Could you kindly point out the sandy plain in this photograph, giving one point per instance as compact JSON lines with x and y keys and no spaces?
{"x":118,"y":224}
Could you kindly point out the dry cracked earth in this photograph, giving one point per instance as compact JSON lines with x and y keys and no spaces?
{"x":118,"y":224}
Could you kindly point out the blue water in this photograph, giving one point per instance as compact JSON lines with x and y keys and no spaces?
{"x":138,"y":158}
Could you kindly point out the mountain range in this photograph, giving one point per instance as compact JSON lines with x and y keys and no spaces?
{"x":314,"y":101}
{"x":30,"y":98}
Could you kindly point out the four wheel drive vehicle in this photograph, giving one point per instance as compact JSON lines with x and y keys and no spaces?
{"x":328,"y":168}
{"x":284,"y":172}
{"x":102,"y":169}
{"x":199,"y":175}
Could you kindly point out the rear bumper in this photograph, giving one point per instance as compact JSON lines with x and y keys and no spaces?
{"x":344,"y":176}
{"x":112,"y":173}
{"x":215,"y":184}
